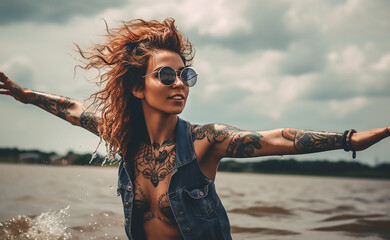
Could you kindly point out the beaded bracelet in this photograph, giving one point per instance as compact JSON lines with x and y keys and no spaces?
{"x":346,"y":142}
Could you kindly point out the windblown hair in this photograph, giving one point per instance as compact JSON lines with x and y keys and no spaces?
{"x":122,"y":62}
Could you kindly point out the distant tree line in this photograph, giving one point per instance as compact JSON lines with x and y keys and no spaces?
{"x":14,"y":155}
{"x":321,"y":168}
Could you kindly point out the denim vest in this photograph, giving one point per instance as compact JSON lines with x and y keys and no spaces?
{"x":195,"y":204}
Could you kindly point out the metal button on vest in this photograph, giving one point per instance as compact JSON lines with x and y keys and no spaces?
{"x":181,"y":213}
{"x":188,"y":229}
{"x":129,"y":188}
{"x":127,"y":204}
{"x":201,"y":193}
{"x":127,"y":220}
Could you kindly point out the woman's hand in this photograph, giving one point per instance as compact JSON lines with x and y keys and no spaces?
{"x":11,"y":88}
{"x":365,"y":139}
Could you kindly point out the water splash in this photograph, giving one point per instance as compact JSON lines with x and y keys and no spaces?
{"x":49,"y":225}
{"x":282,"y":157}
{"x":94,"y":154}
{"x":109,"y":158}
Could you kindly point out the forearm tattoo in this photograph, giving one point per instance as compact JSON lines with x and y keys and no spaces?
{"x":312,"y":141}
{"x":241,"y":143}
{"x":89,"y":121}
{"x":57,"y":105}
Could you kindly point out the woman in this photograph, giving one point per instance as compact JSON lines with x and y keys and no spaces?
{"x":169,"y":165}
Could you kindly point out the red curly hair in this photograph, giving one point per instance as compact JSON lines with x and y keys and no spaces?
{"x":122,"y":62}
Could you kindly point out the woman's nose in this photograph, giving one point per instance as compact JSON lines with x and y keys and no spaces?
{"x":177,"y":83}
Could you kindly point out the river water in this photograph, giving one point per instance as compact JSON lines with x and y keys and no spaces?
{"x":48,"y":202}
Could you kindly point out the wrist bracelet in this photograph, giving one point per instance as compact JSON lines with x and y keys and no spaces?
{"x":346,"y":142}
{"x":387,"y":131}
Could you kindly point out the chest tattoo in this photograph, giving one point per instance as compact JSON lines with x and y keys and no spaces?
{"x":165,"y":208}
{"x":155,"y":162}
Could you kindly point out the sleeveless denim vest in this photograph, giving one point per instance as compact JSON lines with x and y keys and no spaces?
{"x":195,"y":204}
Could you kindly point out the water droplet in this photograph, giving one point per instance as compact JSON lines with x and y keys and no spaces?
{"x":93,"y":157}
{"x":95,"y":152}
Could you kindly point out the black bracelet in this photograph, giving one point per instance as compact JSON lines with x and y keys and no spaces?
{"x":387,"y":131}
{"x":349,"y":143}
{"x":346,"y":142}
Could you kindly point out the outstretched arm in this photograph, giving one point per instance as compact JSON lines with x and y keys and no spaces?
{"x":66,"y":108}
{"x":227,"y":141}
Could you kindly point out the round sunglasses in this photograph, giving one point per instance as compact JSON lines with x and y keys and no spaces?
{"x":167,"y":75}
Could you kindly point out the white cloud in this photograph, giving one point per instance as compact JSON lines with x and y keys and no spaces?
{"x":383,"y":64}
{"x":16,"y":60}
{"x":19,"y":68}
{"x":341,"y":108}
{"x":258,"y":75}
{"x":349,"y":60}
{"x":342,"y":12}
{"x":216,"y":18}
{"x":291,"y":87}
{"x":306,"y":14}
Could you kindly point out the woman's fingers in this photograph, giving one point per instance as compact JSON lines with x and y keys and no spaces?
{"x":3,"y":77}
{"x":5,"y":92}
{"x":11,"y":88}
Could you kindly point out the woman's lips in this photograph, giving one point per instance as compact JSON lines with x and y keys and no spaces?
{"x":177,"y":97}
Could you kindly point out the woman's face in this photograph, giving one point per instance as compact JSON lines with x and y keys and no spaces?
{"x":157,"y":96}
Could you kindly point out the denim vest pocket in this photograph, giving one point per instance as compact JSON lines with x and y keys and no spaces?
{"x":202,"y":201}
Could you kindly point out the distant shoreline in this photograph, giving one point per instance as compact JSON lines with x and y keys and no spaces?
{"x":326,"y":168}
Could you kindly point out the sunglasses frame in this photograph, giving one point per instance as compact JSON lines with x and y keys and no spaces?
{"x":176,"y":72}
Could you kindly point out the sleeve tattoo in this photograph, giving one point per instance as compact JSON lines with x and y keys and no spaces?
{"x":241,"y":143}
{"x":312,"y":141}
{"x":90,"y":122}
{"x":60,"y":106}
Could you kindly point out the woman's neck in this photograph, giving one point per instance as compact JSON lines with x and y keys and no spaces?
{"x":160,"y":127}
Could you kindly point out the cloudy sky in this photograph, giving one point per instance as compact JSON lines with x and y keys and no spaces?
{"x":310,"y":64}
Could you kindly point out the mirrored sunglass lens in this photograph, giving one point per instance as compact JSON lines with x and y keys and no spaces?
{"x":167,"y":75}
{"x":189,"y":76}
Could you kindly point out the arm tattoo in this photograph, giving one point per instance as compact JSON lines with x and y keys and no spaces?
{"x":312,"y":141}
{"x":57,"y":105}
{"x":241,"y":143}
{"x":209,"y":132}
{"x":244,"y":144}
{"x":89,"y":121}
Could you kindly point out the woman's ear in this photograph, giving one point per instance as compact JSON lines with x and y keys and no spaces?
{"x":138,"y":93}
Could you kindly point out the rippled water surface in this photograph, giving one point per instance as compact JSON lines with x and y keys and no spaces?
{"x":46,"y":202}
